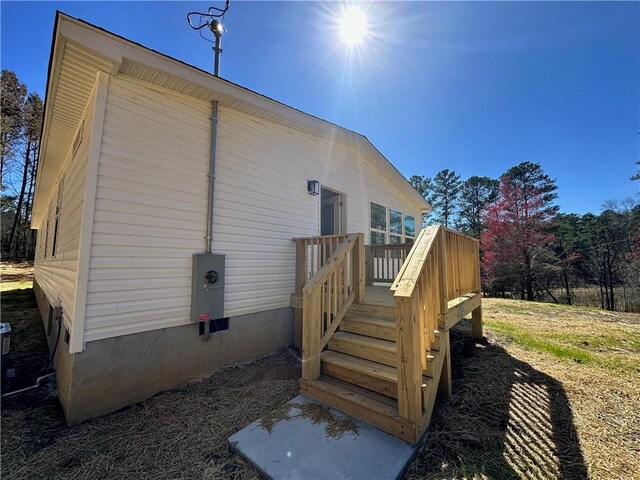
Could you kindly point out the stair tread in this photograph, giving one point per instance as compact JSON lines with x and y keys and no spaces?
{"x":371,"y":310}
{"x":364,"y":406}
{"x":377,"y":321}
{"x":361,"y":365}
{"x":363,"y":340}
{"x":384,"y":406}
{"x":374,"y":327}
{"x":360,"y":391}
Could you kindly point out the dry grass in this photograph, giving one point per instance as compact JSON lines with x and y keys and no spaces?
{"x":530,"y":411}
{"x":178,"y":434}
{"x":15,"y":275}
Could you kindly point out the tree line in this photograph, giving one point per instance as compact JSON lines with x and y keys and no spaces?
{"x":21,"y":124}
{"x":530,"y":250}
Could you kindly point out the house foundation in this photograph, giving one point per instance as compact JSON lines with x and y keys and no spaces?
{"x":116,"y":372}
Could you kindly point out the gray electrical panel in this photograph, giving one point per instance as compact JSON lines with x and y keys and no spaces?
{"x":207,"y":287}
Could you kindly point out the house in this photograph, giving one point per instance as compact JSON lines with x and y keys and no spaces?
{"x":161,"y":187}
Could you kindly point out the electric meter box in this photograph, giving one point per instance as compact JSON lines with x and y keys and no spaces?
{"x":207,"y":287}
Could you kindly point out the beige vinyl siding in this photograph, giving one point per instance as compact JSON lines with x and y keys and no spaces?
{"x":150,"y":215}
{"x":150,"y":210}
{"x":57,"y":274}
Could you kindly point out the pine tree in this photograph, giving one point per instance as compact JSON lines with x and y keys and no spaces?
{"x":444,"y":194}
{"x":518,"y":238}
{"x":12,"y":98}
{"x":423,"y":186}
{"x":477,"y":193}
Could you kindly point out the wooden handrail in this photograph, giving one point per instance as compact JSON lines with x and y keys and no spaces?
{"x":319,"y":237}
{"x":443,"y":265}
{"x":326,"y":298}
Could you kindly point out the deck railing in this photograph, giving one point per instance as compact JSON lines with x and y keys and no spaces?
{"x":311,"y":254}
{"x":327,"y":296}
{"x":442,"y":266}
{"x":383,"y":262}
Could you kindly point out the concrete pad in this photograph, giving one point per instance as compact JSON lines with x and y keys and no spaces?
{"x":298,"y":449}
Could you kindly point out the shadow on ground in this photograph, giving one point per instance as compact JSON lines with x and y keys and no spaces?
{"x":505,"y":420}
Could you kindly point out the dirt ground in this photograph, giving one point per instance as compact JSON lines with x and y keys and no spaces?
{"x":553,"y":392}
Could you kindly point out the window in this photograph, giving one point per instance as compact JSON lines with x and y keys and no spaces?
{"x":56,"y":219}
{"x":377,"y":238}
{"x":45,"y":253}
{"x":409,"y":229}
{"x":391,"y":226}
{"x":378,"y":224}
{"x":395,"y":226}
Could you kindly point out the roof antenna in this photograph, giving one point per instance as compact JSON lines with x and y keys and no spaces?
{"x":210,"y":19}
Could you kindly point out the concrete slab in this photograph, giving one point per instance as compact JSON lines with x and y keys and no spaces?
{"x":298,"y":449}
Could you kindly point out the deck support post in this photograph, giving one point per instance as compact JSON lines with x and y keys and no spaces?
{"x":476,"y":323}
{"x":409,"y":366}
{"x":301,"y":264}
{"x":444,"y":384}
{"x":311,"y":318}
{"x":476,"y":314}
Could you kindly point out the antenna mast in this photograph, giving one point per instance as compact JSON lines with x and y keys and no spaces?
{"x":210,"y":20}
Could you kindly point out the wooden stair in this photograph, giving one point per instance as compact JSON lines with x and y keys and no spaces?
{"x":359,"y":375}
{"x":382,"y":354}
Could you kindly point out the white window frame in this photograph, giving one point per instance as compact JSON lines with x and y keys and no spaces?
{"x":388,"y":234}
{"x":376,"y":230}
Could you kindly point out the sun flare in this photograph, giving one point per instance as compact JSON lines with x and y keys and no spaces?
{"x":353,"y":26}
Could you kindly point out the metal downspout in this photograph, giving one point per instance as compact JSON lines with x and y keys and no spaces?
{"x":212,"y":175}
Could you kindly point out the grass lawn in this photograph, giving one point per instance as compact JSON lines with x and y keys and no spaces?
{"x":552,"y":393}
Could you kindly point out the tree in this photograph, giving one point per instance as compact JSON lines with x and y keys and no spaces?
{"x":32,"y":116}
{"x":568,"y":244}
{"x":534,"y":183}
{"x":637,"y":175}
{"x":444,"y":194}
{"x":11,"y":124}
{"x":423,"y":186}
{"x":477,"y":193}
{"x":518,"y":237}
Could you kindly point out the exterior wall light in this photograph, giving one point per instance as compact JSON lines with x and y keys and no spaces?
{"x":313,"y":187}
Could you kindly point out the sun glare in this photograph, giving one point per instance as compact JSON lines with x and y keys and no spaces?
{"x":353,"y":26}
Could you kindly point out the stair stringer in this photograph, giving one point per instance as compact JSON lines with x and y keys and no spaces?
{"x":431,"y":391}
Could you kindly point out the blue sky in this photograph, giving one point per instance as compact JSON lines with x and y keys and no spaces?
{"x":473,"y":87}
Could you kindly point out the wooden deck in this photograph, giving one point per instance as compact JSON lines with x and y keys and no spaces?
{"x":378,"y":295}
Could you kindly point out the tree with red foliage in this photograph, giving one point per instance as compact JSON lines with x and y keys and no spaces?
{"x":517,"y":243}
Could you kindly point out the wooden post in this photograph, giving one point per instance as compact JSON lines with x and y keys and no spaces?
{"x":358,"y":269}
{"x":311,"y":324}
{"x":441,"y":243}
{"x":409,"y":365}
{"x":301,"y":270}
{"x":476,"y":315}
{"x":476,"y":323}
{"x":444,"y":385}
{"x":368,"y":255}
